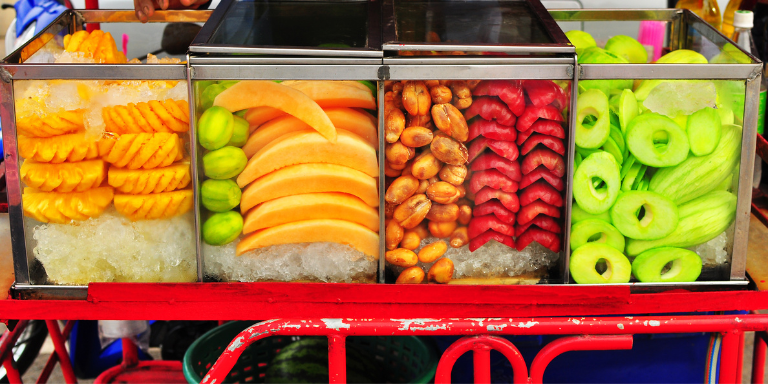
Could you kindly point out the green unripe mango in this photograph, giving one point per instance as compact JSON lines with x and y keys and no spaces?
{"x":215,"y":127}
{"x":222,"y":228}
{"x":220,"y":195}
{"x":239,"y":132}
{"x":224,"y":163}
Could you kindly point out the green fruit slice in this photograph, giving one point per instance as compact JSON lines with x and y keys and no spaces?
{"x":222,"y":228}
{"x":627,"y":109}
{"x":611,"y":147}
{"x":220,"y":195}
{"x":581,"y":40}
{"x":659,"y":215}
{"x":592,"y":102}
{"x":643,"y":184}
{"x":629,"y":179}
{"x":584,"y":152}
{"x":726,"y":115}
{"x":596,"y":231}
{"x":578,"y":215}
{"x":618,"y":138}
{"x":649,"y":266}
{"x":239,"y":132}
{"x":681,"y":120}
{"x":628,"y":48}
{"x":647,"y":130}
{"x":640,"y":177}
{"x":704,"y":129}
{"x":584,"y":260}
{"x":577,"y":158}
{"x":629,"y":161}
{"x":601,"y":166}
{"x":215,"y":127}
{"x":615,"y":118}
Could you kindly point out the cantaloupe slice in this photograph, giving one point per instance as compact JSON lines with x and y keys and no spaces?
{"x":310,"y":178}
{"x":350,"y":83}
{"x":311,"y":206}
{"x":312,"y":231}
{"x":336,"y":94}
{"x":260,"y":93}
{"x":307,"y":146}
{"x":342,"y":118}
{"x":259,"y":115}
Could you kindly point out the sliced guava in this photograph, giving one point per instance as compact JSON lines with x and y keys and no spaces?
{"x":667,"y":264}
{"x":596,"y":231}
{"x":644,"y":215}
{"x":704,"y":129}
{"x":592,"y":103}
{"x":599,"y":165}
{"x":649,"y":129}
{"x":584,"y":261}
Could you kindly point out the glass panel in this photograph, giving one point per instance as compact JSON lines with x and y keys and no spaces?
{"x":294,"y":24}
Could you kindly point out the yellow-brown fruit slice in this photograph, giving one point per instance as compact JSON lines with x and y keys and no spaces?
{"x":58,"y":149}
{"x":34,"y":46}
{"x":64,"y":177}
{"x":311,"y":231}
{"x":308,"y":146}
{"x":310,"y":178}
{"x":144,"y":181}
{"x":155,"y":205}
{"x":155,"y":116}
{"x":311,"y":206}
{"x":142,"y":150}
{"x":61,"y":208}
{"x":50,"y":125}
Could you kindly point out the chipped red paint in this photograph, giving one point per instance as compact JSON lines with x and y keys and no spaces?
{"x":575,"y":343}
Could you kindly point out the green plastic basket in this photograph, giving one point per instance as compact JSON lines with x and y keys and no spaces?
{"x":408,"y":359}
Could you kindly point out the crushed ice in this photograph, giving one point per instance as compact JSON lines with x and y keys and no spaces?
{"x":716,"y":251}
{"x":681,"y":97}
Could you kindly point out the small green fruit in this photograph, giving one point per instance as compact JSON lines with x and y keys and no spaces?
{"x":579,"y":215}
{"x":659,"y":220}
{"x":222,"y":228}
{"x":214,"y":129}
{"x":584,"y":261}
{"x":704,"y":129}
{"x":592,"y":103}
{"x":581,"y":40}
{"x":220,"y":195}
{"x":209,"y":94}
{"x":240,"y":132}
{"x":597,"y":231}
{"x":628,"y":48}
{"x":599,"y":166}
{"x":649,"y":129}
{"x":683,"y":56}
{"x":648,"y":266}
{"x":224,"y":163}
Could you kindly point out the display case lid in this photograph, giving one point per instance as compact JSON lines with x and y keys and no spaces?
{"x":316,"y":28}
{"x":457,"y":28}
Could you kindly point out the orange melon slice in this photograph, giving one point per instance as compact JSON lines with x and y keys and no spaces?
{"x":342,"y":118}
{"x":349,"y":83}
{"x":310,"y":178}
{"x":259,"y":115}
{"x":311,"y":231}
{"x":259,"y":93}
{"x":311,"y":206}
{"x":336,"y":94}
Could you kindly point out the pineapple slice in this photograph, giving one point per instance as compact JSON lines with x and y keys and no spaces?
{"x":50,"y":125}
{"x":97,"y":45}
{"x":155,"y":205}
{"x":142,"y":150}
{"x":135,"y":182}
{"x":58,"y":149}
{"x":62,"y":208}
{"x":155,"y":116}
{"x":65,"y":177}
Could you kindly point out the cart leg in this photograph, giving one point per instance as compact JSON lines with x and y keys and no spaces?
{"x":482,"y":364}
{"x":740,"y":361}
{"x":61,"y":351}
{"x":575,"y":343}
{"x":7,"y":341}
{"x":54,"y":358}
{"x":337,"y":359}
{"x":758,"y":359}
{"x":10,"y":370}
{"x":729,"y":357}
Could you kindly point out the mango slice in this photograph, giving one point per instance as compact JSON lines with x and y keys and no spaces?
{"x":64,"y":177}
{"x":144,"y":181}
{"x":155,"y":205}
{"x":335,"y":93}
{"x":310,"y":231}
{"x":50,"y":125}
{"x":311,"y":206}
{"x":155,"y":116}
{"x":62,"y":208}
{"x":58,"y":149}
{"x":308,"y":146}
{"x":142,"y":150}
{"x":257,"y":93}
{"x":347,"y":119}
{"x":310,"y":178}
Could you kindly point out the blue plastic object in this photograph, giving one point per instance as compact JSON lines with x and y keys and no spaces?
{"x":88,"y":359}
{"x":41,"y":11}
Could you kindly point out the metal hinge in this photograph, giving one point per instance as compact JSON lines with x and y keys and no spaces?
{"x":5,"y":75}
{"x":384,"y":72}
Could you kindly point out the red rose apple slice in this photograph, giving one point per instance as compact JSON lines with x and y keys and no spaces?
{"x":546,"y":127}
{"x":490,"y":160}
{"x":491,"y":108}
{"x":540,"y":92}
{"x":530,"y":211}
{"x":492,"y":130}
{"x":544,"y":222}
{"x":509,"y":91}
{"x":540,"y":190}
{"x":545,"y":157}
{"x":542,"y":173}
{"x":505,"y":149}
{"x":550,"y":142}
{"x":478,"y":225}
{"x":494,"y":207}
{"x":533,"y":113}
{"x":508,"y":199}
{"x":545,"y":238}
{"x":489,"y":235}
{"x":491,"y":178}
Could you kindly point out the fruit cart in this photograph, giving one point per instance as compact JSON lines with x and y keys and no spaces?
{"x":349,"y":76}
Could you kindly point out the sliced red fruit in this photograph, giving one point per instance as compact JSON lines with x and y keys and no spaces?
{"x":491,"y":178}
{"x":490,"y":108}
{"x":478,"y":225}
{"x":490,"y":160}
{"x":545,"y":157}
{"x":541,"y":92}
{"x":542,"y":173}
{"x":491,"y":129}
{"x":494,"y":207}
{"x":545,"y":238}
{"x":540,"y":190}
{"x":489,"y":235}
{"x":508,"y":199}
{"x":544,"y":222}
{"x":533,"y":113}
{"x":505,"y":149}
{"x":546,"y":127}
{"x":530,"y":211}
{"x":509,"y":91}
{"x":550,"y":142}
